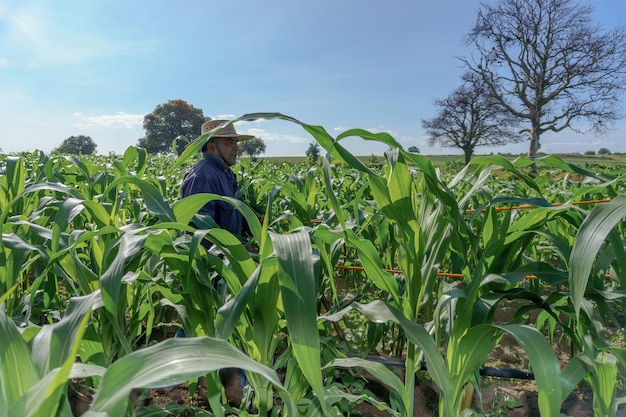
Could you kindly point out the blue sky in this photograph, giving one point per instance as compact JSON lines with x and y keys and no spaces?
{"x":96,"y":67}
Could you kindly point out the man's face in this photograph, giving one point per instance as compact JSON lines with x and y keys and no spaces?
{"x":227,"y":149}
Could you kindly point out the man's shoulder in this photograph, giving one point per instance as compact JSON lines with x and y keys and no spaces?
{"x":205,"y":164}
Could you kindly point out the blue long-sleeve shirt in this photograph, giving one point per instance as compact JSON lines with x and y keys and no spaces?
{"x":211,"y":175}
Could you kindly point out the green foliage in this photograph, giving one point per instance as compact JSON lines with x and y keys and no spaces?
{"x":171,"y":126}
{"x":81,"y":145}
{"x":252,"y":147}
{"x":414,"y":149}
{"x":313,"y":152}
{"x":97,"y":257}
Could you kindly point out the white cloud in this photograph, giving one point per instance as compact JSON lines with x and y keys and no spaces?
{"x":223,"y":117}
{"x":120,"y":119}
{"x":273,"y":137}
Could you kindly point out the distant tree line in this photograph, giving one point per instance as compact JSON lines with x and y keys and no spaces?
{"x":601,"y":151}
{"x":169,"y":128}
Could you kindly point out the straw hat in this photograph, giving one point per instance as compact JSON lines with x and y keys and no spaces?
{"x":227,"y":131}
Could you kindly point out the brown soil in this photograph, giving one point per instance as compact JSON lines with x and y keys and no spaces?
{"x":498,"y":397}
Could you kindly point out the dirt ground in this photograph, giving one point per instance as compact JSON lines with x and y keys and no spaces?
{"x":498,"y":397}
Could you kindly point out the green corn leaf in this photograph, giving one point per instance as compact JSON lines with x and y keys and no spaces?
{"x":589,"y":239}
{"x":98,"y":213}
{"x":382,"y":137}
{"x":299,"y":296}
{"x":603,"y":381}
{"x":229,"y":315}
{"x":152,"y":197}
{"x":133,"y":153}
{"x":240,"y":260}
{"x":574,"y":371}
{"x":368,"y":256}
{"x":334,"y":202}
{"x":69,"y":209}
{"x":194,"y":147}
{"x":334,"y":148}
{"x":379,"y":312}
{"x":483,"y":161}
{"x":16,"y":175}
{"x":169,"y":363}
{"x":35,"y":400}
{"x":111,"y":279}
{"x":185,"y":209}
{"x":55,"y":343}
{"x":556,"y":161}
{"x":380,"y":372}
{"x":63,"y":342}
{"x":57,"y":187}
{"x":545,"y":366}
{"x":7,"y":294}
{"x":267,"y":310}
{"x":17,"y":369}
{"x":467,"y":356}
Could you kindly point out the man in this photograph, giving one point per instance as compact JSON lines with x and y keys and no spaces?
{"x":213,"y":174}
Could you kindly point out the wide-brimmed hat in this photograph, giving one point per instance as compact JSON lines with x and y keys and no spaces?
{"x":227,"y":131}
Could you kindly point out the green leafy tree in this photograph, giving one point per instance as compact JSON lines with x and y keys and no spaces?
{"x":414,"y":149}
{"x":313,"y":152}
{"x":252,"y":147}
{"x":604,"y":151}
{"x":549,"y":64}
{"x":169,"y":121}
{"x":80,"y":144}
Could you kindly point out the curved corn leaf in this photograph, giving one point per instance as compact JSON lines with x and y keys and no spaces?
{"x":18,"y":372}
{"x":589,"y":239}
{"x":298,"y":288}
{"x":380,"y":372}
{"x":545,"y":366}
{"x":152,"y":197}
{"x":169,"y":363}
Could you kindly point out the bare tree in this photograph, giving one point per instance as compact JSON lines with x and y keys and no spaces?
{"x":470,"y":117}
{"x":549,"y":65}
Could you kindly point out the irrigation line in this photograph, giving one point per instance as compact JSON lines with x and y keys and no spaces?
{"x":460,"y":276}
{"x":522,"y":207}
{"x":489,"y":371}
{"x":439,"y":274}
{"x":528,"y":206}
{"x":483,"y":370}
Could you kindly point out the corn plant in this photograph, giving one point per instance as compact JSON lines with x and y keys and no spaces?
{"x":97,"y":251}
{"x":550,"y":394}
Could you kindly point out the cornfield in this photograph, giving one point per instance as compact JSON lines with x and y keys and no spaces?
{"x":98,"y":261}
